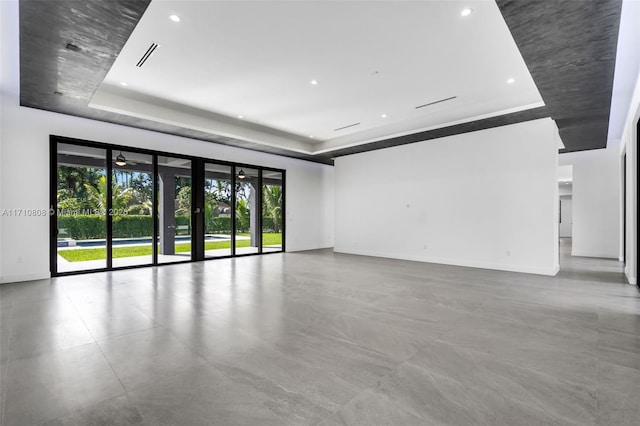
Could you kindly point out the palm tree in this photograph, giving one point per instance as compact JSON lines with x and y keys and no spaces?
{"x":242,"y":215}
{"x":122,"y":198}
{"x":272,"y":204}
{"x":72,"y":193}
{"x":221,"y":191}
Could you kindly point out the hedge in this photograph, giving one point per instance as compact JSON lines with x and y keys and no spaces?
{"x":87,"y":227}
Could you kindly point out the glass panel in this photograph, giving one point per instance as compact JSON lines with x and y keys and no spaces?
{"x":247,"y":232}
{"x":174,"y":209}
{"x":217,"y":210}
{"x":132,"y":208}
{"x":272,"y":213}
{"x":82,"y":203}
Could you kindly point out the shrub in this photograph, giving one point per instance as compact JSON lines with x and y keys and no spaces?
{"x":87,"y":227}
{"x":82,"y":227}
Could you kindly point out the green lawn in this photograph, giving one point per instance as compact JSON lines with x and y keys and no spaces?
{"x":79,"y":255}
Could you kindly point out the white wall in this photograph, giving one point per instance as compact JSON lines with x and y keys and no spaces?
{"x":596,"y":201}
{"x":24,"y":168}
{"x":456,"y":200}
{"x":625,"y":112}
{"x":629,"y":144}
{"x":565,"y":173}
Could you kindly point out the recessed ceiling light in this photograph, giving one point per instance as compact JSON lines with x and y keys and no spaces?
{"x":240,"y":116}
{"x":311,"y":136}
{"x":124,"y":83}
{"x":466,"y":12}
{"x":314,"y":82}
{"x":174,"y":18}
{"x":384,"y":116}
{"x":511,"y":80}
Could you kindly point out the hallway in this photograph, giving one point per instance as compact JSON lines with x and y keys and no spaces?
{"x":589,"y":268}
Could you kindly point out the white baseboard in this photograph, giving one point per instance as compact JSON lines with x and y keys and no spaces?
{"x":589,"y":254}
{"x":6,"y":279}
{"x":295,"y":249}
{"x":552,"y":271}
{"x":631,"y":279}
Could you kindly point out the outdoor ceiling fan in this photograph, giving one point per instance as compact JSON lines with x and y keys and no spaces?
{"x":122,"y":161}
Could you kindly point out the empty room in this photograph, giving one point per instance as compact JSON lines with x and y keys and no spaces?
{"x":317,"y":212}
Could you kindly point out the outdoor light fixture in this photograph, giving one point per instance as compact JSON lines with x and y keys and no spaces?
{"x":241,"y":174}
{"x":120,"y":160}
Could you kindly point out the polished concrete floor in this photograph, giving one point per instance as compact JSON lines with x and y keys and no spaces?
{"x":322,"y":338}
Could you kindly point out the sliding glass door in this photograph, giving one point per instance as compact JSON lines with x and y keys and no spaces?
{"x":131,"y":208}
{"x":81,"y":203}
{"x":247,"y":236}
{"x":117,"y":207}
{"x":174,"y":209}
{"x":272,"y":211}
{"x":217,"y":210}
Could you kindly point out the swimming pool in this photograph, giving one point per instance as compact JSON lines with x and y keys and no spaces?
{"x":64,"y":242}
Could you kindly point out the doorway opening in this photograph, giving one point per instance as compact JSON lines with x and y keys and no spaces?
{"x":565,"y":209}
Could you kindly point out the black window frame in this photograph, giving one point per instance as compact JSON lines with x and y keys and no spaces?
{"x":197,"y":205}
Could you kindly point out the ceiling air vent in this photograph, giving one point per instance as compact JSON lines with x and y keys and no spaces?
{"x":346,"y":127}
{"x":436,"y":102}
{"x":147,"y":55}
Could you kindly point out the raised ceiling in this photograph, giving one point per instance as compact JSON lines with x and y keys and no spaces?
{"x":257,"y":59}
{"x":373,"y":62}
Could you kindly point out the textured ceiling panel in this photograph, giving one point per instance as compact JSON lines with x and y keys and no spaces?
{"x":570,"y":50}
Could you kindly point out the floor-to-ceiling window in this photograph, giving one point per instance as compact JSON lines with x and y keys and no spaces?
{"x":217,"y":210}
{"x":111,"y":203}
{"x":174,"y":209}
{"x":272,"y":211}
{"x":247,"y":236}
{"x":81,"y":203}
{"x":131,"y":208}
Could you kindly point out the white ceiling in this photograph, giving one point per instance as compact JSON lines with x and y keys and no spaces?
{"x":257,"y":58}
